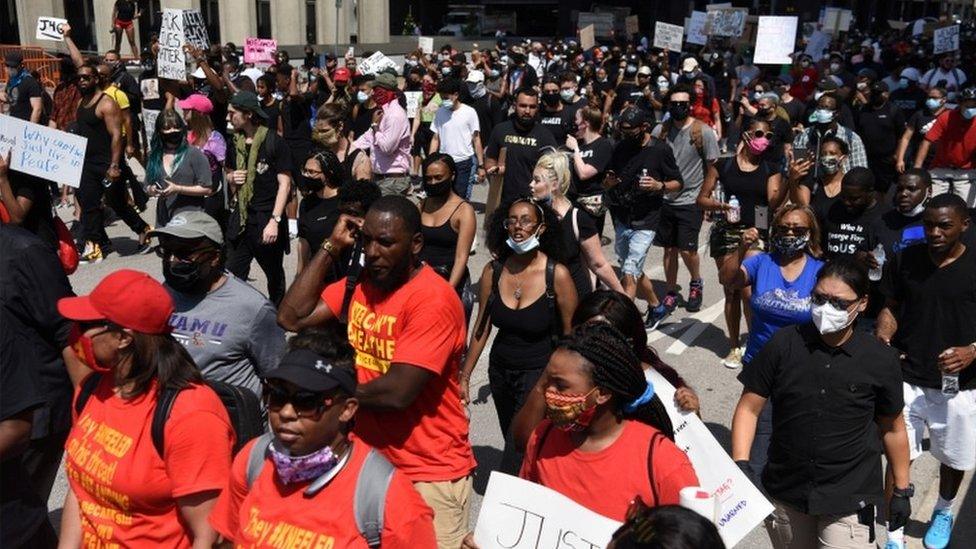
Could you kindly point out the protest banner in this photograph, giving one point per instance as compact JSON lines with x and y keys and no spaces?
{"x":195,"y":30}
{"x":171,"y":60}
{"x":518,"y":514}
{"x":726,"y":22}
{"x":260,"y":51}
{"x":696,"y":28}
{"x":413,"y":103}
{"x":816,"y":44}
{"x":42,"y":151}
{"x":668,"y":36}
{"x":741,"y":505}
{"x":375,"y":63}
{"x":587,"y":38}
{"x":50,"y":28}
{"x":632,"y":24}
{"x":945,"y":39}
{"x":775,"y":38}
{"x":426,"y":44}
{"x":602,"y":23}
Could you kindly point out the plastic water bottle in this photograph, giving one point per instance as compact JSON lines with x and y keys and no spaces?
{"x":950,"y":382}
{"x":879,"y":255}
{"x":735,"y":212}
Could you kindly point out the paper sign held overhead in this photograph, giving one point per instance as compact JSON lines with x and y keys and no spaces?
{"x":50,"y":28}
{"x":260,"y":51}
{"x":668,"y":36}
{"x":195,"y":29}
{"x":632,"y":24}
{"x":775,"y":38}
{"x":945,"y":39}
{"x":375,"y":63}
{"x":413,"y":103}
{"x":42,"y":151}
{"x":726,"y":22}
{"x":171,"y":60}
{"x":587,"y":39}
{"x":696,"y":28}
{"x":426,"y":44}
{"x":816,"y":44}
{"x":518,"y":514}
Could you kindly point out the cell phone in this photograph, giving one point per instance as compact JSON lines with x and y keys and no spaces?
{"x":800,"y":154}
{"x":159,"y":185}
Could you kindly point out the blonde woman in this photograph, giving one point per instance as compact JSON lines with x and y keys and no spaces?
{"x":581,"y":242}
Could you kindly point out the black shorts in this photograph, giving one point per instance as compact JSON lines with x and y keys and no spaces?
{"x":678,"y":227}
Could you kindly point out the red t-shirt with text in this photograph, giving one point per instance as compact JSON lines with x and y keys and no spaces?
{"x":606,"y":481}
{"x":271,"y":514}
{"x":420,"y":324}
{"x":126,"y":493}
{"x":954,"y":139}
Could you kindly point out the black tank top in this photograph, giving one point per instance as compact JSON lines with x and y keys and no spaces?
{"x":524,"y":335}
{"x":748,"y":187}
{"x":98,"y":154}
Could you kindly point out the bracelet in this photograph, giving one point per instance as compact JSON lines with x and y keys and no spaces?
{"x":330,"y":249}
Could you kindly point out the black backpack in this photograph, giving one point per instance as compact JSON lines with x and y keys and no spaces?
{"x":243,"y":407}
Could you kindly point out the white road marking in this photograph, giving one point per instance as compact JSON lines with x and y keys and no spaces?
{"x":704,"y":319}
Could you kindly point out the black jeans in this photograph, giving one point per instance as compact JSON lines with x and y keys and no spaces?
{"x":509,"y":389}
{"x":270,"y":258}
{"x":759,"y":453}
{"x":90,"y":193}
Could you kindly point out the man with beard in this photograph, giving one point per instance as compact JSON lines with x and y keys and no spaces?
{"x":522,"y":141}
{"x":406,"y":325}
{"x":226,"y":325}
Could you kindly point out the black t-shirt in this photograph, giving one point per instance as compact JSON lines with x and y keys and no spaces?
{"x":880,"y":130}
{"x":820,"y":203}
{"x":586,"y":228}
{"x":482,"y":106}
{"x":627,"y":92}
{"x":895,"y":232}
{"x":39,"y":219}
{"x":362,"y":121}
{"x":936,"y":311}
{"x":125,"y":10}
{"x":636,"y":208}
{"x":20,"y":97}
{"x":795,"y":109}
{"x":128,"y":84}
{"x":522,"y":151}
{"x":596,"y":154}
{"x":845,"y":233}
{"x":558,"y":124}
{"x":909,"y":100}
{"x":316,"y":219}
{"x":273,"y":111}
{"x":273,"y":159}
{"x":920,"y":123}
{"x":749,"y":188}
{"x":295,"y":114}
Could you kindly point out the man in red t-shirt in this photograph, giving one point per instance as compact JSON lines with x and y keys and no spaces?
{"x":407,"y":328}
{"x":953,"y":133}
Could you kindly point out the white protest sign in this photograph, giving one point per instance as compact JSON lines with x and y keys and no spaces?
{"x":42,"y":151}
{"x":816,"y":44}
{"x":195,"y":29}
{"x":149,"y":117}
{"x":668,"y":36}
{"x":50,"y":28}
{"x":518,"y":514}
{"x":726,"y":22}
{"x":587,"y":38}
{"x":741,"y":505}
{"x":775,"y":38}
{"x":830,"y":22}
{"x":844,"y":23}
{"x":150,"y":88}
{"x":945,"y":39}
{"x":260,"y":51}
{"x":375,"y":63}
{"x":426,"y":44}
{"x":696,"y":28}
{"x":632,"y":24}
{"x":413,"y":103}
{"x":171,"y":60}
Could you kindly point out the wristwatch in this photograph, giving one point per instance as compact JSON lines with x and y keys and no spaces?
{"x":277,"y":218}
{"x":906,"y":493}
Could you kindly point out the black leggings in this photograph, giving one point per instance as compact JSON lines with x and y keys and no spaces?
{"x":90,"y":194}
{"x":509,"y":389}
{"x":270,"y":258}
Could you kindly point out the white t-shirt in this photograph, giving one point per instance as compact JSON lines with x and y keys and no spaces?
{"x":455,"y":131}
{"x":954,"y":79}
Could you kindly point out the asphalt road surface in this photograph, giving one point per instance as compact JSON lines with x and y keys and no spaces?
{"x":693,"y":343}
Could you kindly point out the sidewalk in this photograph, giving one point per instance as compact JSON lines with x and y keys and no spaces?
{"x":964,"y":530}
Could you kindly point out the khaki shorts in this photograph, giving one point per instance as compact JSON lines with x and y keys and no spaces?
{"x":791,"y":529}
{"x":451,"y":502}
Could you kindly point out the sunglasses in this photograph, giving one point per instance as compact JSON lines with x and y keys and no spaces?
{"x":759,"y":134}
{"x":181,"y":255}
{"x":305,"y":403}
{"x":843,"y":304}
{"x":786,"y":229}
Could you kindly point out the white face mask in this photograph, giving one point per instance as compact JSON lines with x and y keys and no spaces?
{"x":829,"y":319}
{"x":917,"y":210}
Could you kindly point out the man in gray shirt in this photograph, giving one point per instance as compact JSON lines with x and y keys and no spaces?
{"x":228,"y":327}
{"x":695,"y":147}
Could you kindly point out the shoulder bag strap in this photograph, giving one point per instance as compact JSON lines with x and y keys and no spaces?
{"x":255,"y":459}
{"x":164,"y":405}
{"x":496,"y":274}
{"x":369,"y":501}
{"x":87,"y":388}
{"x":650,"y":468}
{"x":555,"y":323}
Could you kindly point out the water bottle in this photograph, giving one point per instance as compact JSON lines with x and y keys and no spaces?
{"x":950,"y":382}
{"x":879,"y":255}
{"x":734,"y":213}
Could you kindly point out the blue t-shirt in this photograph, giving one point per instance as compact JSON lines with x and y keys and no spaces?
{"x":776,"y":302}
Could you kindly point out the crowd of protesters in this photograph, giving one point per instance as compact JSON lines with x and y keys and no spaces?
{"x":838,"y":197}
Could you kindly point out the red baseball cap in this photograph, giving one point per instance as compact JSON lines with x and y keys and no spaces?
{"x":341,"y":75}
{"x":127,"y":298}
{"x":197,"y":102}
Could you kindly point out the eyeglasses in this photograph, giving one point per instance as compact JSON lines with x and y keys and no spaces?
{"x":523,"y":223}
{"x":311,"y":173}
{"x":305,"y":403}
{"x":787,"y":229}
{"x":818,"y":298}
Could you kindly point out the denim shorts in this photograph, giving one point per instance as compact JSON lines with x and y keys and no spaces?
{"x":631,"y":246}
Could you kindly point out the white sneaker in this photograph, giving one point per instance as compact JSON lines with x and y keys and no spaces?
{"x":734,"y":359}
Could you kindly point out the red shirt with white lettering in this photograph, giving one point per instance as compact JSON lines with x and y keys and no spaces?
{"x":954,"y":139}
{"x":606,"y":481}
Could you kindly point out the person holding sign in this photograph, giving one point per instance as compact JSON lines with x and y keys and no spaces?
{"x":834,"y":390}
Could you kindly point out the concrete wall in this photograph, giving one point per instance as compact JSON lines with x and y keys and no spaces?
{"x":27,"y":13}
{"x":288,"y":21}
{"x":374,"y":21}
{"x":238,"y":20}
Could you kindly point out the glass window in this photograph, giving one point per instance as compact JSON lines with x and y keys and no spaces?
{"x":311,"y":24}
{"x":210,"y":9}
{"x":264,"y":18}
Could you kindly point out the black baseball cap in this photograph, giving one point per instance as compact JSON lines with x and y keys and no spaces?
{"x":313,"y":372}
{"x":248,"y":101}
{"x":633,"y":116}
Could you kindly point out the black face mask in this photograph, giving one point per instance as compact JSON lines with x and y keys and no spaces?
{"x":550,"y":99}
{"x":309,"y":185}
{"x":678,"y":111}
{"x":171,"y":140}
{"x":188,"y":277}
{"x":440,"y":188}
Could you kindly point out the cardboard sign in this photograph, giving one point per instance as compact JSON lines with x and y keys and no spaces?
{"x":632,"y":24}
{"x":726,"y":22}
{"x":375,"y":63}
{"x":668,"y":36}
{"x":426,"y":44}
{"x":945,"y":39}
{"x":696,"y":28}
{"x":150,"y":88}
{"x":413,"y":103}
{"x":518,"y":514}
{"x":195,"y":30}
{"x":741,"y":506}
{"x":42,"y":151}
{"x":50,"y":28}
{"x":260,"y":51}
{"x":775,"y":38}
{"x":171,"y":60}
{"x":587,"y":38}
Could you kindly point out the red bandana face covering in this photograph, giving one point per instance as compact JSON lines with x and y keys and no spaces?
{"x":382,"y":96}
{"x":83,"y":347}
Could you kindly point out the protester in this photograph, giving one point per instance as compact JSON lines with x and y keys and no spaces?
{"x":815,"y":180}
{"x":665,"y":526}
{"x":591,"y":154}
{"x":823,"y":124}
{"x":901,"y":227}
{"x":388,"y":139}
{"x":917,"y":126}
{"x":515,"y":146}
{"x":456,"y":132}
{"x":881,"y":123}
{"x":176,"y":173}
{"x":954,"y":132}
{"x":332,"y":133}
{"x":824,"y":473}
{"x":319,"y":182}
{"x":124,"y":14}
{"x":167,"y":487}
{"x":845,"y":225}
{"x":129,"y":132}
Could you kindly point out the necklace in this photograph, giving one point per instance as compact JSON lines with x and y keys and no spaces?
{"x":518,"y":287}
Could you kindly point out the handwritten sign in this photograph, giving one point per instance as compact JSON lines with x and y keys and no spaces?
{"x":149,"y":88}
{"x":587,"y":38}
{"x":668,"y":36}
{"x":375,"y":63}
{"x":426,"y":44}
{"x":149,"y":117}
{"x":945,"y":39}
{"x":50,"y":28}
{"x":775,"y":38}
{"x":195,"y":29}
{"x":518,"y":514}
{"x":171,"y":60}
{"x":260,"y":51}
{"x":741,"y":505}
{"x":816,"y":44}
{"x":42,"y":151}
{"x":413,"y":103}
{"x":696,"y":28}
{"x":632,"y":24}
{"x":726,"y":22}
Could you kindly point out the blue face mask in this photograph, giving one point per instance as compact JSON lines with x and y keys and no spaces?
{"x":448,"y":104}
{"x":822,"y":116}
{"x":933,"y":103}
{"x":495,"y":73}
{"x":362,"y":96}
{"x":969,"y":113}
{"x":524,"y":246}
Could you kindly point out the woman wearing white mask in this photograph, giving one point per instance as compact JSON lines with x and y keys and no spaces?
{"x":835,"y":391}
{"x":530,"y":298}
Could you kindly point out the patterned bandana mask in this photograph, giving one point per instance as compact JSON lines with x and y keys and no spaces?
{"x":569,"y":412}
{"x":293,"y":469}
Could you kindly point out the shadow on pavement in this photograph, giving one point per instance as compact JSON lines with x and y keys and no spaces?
{"x":489,"y":459}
